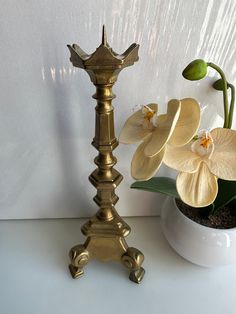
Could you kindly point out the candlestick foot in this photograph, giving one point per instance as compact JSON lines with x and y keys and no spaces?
{"x":133,"y":260}
{"x":79,"y":257}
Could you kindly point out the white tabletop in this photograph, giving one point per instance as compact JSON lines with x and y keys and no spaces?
{"x":34,"y":278}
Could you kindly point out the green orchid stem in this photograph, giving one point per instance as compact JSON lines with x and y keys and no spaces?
{"x":231,"y":110}
{"x":225,"y":96}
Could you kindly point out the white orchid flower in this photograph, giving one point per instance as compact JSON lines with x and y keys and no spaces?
{"x":177,"y":127}
{"x":201,"y":163}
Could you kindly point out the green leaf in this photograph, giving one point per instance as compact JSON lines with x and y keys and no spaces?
{"x":162,"y":185}
{"x":232,"y":204}
{"x":226,"y":193}
{"x":196,"y":70}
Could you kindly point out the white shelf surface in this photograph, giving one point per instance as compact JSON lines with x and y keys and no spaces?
{"x":34,"y":278}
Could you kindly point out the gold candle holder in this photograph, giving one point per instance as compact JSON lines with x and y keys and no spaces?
{"x":106,"y":230}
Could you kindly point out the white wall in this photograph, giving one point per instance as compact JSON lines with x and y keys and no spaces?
{"x":46,"y":109}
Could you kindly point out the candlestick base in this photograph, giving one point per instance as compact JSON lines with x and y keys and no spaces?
{"x":105,"y":242}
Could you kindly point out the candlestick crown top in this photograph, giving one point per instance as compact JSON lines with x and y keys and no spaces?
{"x":104,"y":57}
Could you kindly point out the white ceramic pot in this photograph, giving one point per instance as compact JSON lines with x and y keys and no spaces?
{"x":200,"y":245}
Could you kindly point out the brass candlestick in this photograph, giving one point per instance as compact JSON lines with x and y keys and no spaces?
{"x":106,"y":230}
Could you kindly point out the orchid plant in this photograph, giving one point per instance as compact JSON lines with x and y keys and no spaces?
{"x":205,"y":160}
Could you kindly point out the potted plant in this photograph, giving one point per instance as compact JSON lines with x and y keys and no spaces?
{"x":199,"y":219}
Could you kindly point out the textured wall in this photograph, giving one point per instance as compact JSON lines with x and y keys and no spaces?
{"x":46,"y":109}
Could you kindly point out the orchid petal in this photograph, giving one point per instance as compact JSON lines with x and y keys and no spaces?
{"x":165,"y":127}
{"x":198,"y":189}
{"x":182,"y":158}
{"x":188,"y":122}
{"x":144,"y":167}
{"x":133,"y":131}
{"x":223,"y":160}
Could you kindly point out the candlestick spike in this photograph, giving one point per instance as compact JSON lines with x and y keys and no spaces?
{"x":106,"y":230}
{"x":104,"y":36}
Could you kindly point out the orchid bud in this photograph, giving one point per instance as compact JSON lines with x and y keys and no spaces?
{"x":196,"y":70}
{"x":219,"y":85}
